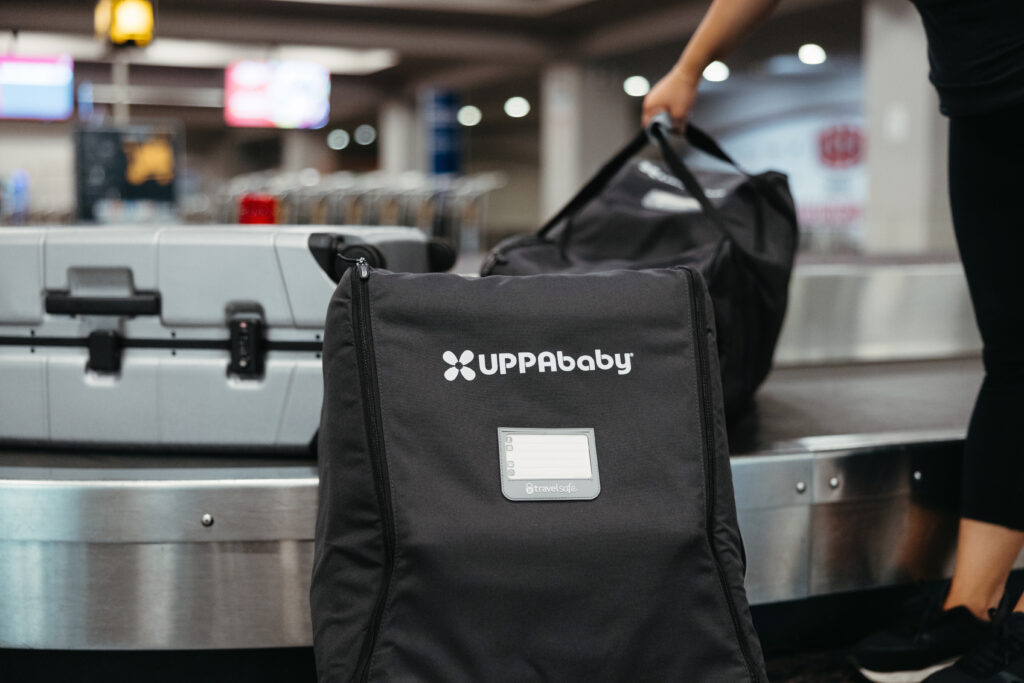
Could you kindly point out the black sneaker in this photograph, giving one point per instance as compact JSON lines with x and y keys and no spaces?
{"x":998,"y":659}
{"x":926,"y":639}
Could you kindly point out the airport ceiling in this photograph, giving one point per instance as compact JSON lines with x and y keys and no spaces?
{"x":380,"y":49}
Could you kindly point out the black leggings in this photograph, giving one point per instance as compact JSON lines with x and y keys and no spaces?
{"x":986,"y":188}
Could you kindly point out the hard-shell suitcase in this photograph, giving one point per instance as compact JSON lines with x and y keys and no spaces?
{"x":526,"y":479}
{"x":175,"y":336}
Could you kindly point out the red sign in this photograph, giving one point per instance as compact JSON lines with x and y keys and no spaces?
{"x":257,"y":208}
{"x":840,"y":146}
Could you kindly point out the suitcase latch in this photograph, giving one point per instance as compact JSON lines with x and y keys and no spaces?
{"x":105,"y":351}
{"x":247,"y":343}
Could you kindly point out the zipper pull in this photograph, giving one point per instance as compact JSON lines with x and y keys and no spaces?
{"x":364,"y":268}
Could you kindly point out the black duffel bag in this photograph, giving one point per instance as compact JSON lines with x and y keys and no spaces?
{"x":739,"y":230}
{"x":526,"y":479}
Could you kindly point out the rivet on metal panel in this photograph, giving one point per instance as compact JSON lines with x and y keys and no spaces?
{"x":801,"y":486}
{"x":833,"y":482}
{"x":917,"y":475}
{"x":207,"y":519}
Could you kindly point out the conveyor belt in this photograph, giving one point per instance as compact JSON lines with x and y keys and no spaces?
{"x":857,"y":399}
{"x":109,"y":551}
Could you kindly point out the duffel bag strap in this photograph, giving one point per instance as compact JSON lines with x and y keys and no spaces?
{"x":657,"y":130}
{"x":705,"y":143}
{"x":598,"y":181}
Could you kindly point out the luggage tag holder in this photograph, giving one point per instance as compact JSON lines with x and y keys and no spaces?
{"x":548,"y":464}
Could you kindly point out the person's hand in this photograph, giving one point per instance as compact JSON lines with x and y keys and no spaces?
{"x":674,"y":93}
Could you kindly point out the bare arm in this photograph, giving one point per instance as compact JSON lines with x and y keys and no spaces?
{"x":726,"y":23}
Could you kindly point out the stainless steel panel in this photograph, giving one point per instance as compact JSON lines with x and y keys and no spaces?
{"x":857,"y":544}
{"x":777,"y":546}
{"x":773,"y":509}
{"x":120,"y":558}
{"x":852,"y":443}
{"x":117,"y":556}
{"x":771,"y":481}
{"x":854,"y":475}
{"x":124,"y":508}
{"x":154,"y":595}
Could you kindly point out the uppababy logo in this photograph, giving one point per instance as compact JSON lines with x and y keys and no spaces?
{"x":524,"y":361}
{"x":459,"y":365}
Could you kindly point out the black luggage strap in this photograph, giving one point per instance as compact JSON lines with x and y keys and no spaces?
{"x":705,"y":143}
{"x":690,"y":182}
{"x":656,"y":133}
{"x":598,"y":181}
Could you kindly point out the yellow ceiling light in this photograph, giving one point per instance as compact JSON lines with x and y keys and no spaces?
{"x":124,"y":22}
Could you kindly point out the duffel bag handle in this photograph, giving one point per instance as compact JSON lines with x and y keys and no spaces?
{"x":657,"y":130}
{"x":598,"y":181}
{"x":705,"y":143}
{"x":654,"y":132}
{"x":699,"y":140}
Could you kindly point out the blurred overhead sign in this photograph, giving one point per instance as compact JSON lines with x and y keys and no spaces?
{"x":36,"y":88}
{"x":290,"y":94}
{"x":127,"y":171}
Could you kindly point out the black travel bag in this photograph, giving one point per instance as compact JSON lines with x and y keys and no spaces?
{"x":739,"y":230}
{"x":526,"y":479}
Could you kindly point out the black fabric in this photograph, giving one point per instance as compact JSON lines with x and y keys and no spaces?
{"x":643,"y":583}
{"x":976,"y":53}
{"x":637,"y":213}
{"x":984,"y":182}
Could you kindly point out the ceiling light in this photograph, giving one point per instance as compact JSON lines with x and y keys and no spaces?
{"x":131,"y":22}
{"x":636,"y":86}
{"x":716,"y":72}
{"x":365,"y":134}
{"x":811,"y":54}
{"x":517,"y":107}
{"x":204,"y":54}
{"x":469,"y":115}
{"x":338,"y":139}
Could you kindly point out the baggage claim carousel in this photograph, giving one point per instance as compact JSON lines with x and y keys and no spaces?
{"x":846,"y":472}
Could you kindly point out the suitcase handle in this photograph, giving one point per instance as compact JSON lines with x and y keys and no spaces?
{"x":140,"y":303}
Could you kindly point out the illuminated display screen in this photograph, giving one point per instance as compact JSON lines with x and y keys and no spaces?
{"x":286,"y":94}
{"x":36,"y":88}
{"x":120,"y":169}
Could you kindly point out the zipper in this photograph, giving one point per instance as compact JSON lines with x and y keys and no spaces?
{"x":378,"y":460}
{"x":700,"y":333}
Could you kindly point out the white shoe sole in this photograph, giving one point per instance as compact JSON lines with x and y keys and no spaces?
{"x":905,"y":676}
